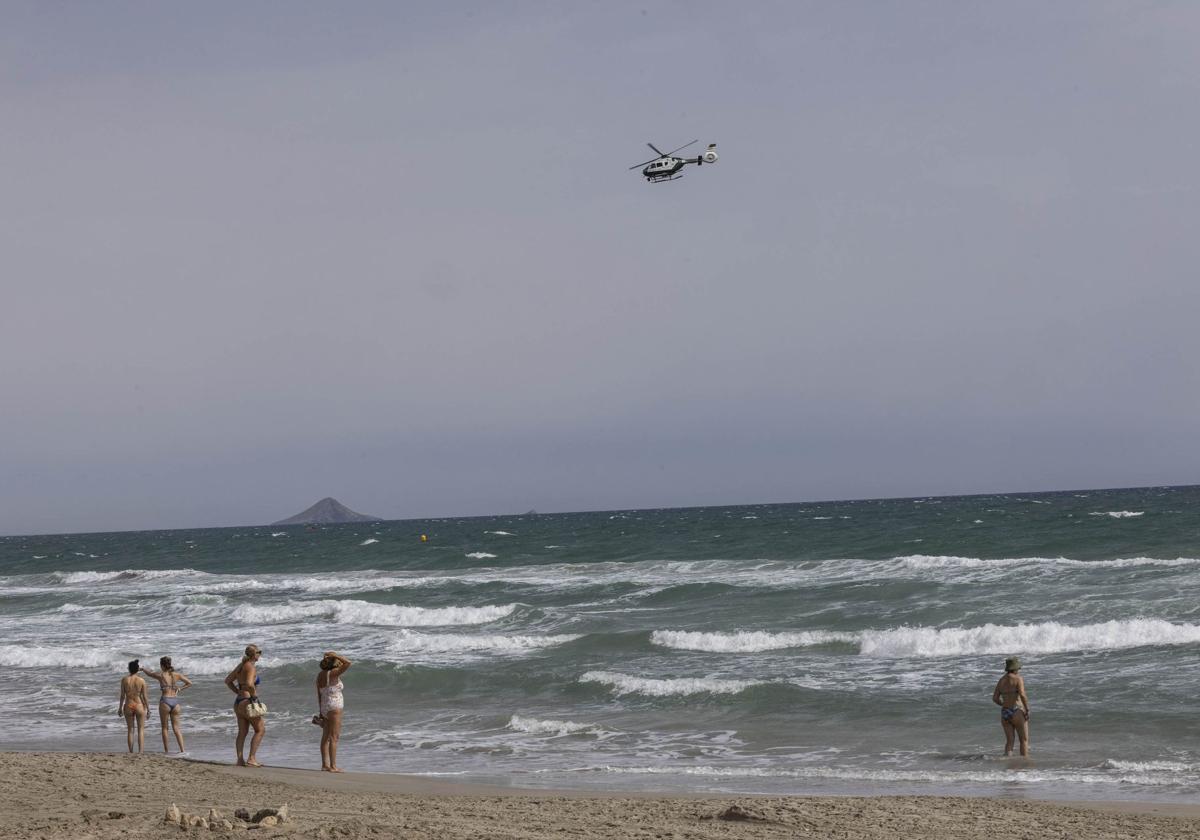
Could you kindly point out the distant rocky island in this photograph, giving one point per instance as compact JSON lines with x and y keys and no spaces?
{"x":328,"y":511}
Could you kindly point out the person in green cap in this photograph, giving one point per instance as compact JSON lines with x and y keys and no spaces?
{"x":1014,"y":706}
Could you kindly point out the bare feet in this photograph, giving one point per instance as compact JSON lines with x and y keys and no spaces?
{"x":335,"y":769}
{"x":253,"y":763}
{"x":325,"y":768}
{"x":241,"y":762}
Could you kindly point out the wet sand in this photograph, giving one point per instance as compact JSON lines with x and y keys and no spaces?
{"x":55,"y":796}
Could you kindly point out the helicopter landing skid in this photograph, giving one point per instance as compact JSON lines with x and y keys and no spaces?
{"x":669,"y":178}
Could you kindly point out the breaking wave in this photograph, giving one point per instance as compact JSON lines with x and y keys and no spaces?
{"x":536,"y":726}
{"x":365,"y":612}
{"x":921,"y":562}
{"x":35,"y":656}
{"x":625,"y":684}
{"x":920,"y":642}
{"x":747,"y":641}
{"x":410,"y":641}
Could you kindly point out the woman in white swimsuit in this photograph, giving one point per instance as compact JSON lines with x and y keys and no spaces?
{"x":330,"y":702}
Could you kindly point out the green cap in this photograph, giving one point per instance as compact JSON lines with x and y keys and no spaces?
{"x":1012,"y":664}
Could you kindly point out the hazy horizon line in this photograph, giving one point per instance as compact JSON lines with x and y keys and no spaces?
{"x":536,"y":512}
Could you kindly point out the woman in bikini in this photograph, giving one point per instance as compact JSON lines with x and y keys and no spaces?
{"x":133,"y":706}
{"x":1014,"y":706}
{"x":330,"y":703}
{"x":171,"y":682}
{"x":243,"y":681}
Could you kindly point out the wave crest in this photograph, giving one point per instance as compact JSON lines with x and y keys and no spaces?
{"x":1046,"y":637}
{"x":366,"y":612}
{"x":410,"y":641}
{"x":748,"y":641}
{"x":536,"y":726}
{"x":626,"y":684}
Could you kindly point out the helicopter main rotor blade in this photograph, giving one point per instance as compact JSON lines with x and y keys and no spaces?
{"x":684,"y":146}
{"x":643,"y":163}
{"x":656,"y":151}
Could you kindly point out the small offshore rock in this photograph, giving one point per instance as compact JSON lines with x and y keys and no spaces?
{"x":242,"y":814}
{"x":268,"y":821}
{"x":173,"y":815}
{"x":282,"y":813}
{"x":214,"y":816}
{"x":227,"y":825}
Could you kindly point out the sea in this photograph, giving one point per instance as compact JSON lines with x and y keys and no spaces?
{"x":819,"y":648}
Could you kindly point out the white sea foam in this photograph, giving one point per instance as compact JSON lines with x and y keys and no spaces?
{"x":72,"y":578}
{"x":278,"y":533}
{"x":747,"y":641}
{"x":922,"y":562}
{"x":111,"y":658}
{"x":1046,"y":637}
{"x":89,"y":577}
{"x":1007,"y":776}
{"x":501,"y":533}
{"x":83,"y":656}
{"x":1119,"y":514}
{"x":365,"y":612}
{"x":210,"y":665}
{"x":370,"y":541}
{"x":536,"y":726}
{"x":1150,"y":766}
{"x":626,"y":684}
{"x":480,"y":555}
{"x":921,"y":642}
{"x":410,"y":641}
{"x":344,"y":583}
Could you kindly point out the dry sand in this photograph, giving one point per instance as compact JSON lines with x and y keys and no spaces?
{"x":99,"y":795}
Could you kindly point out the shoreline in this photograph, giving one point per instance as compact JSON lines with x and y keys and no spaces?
{"x":411,"y":785}
{"x":59,"y":795}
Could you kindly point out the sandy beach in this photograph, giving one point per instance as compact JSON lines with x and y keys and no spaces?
{"x":99,"y":795}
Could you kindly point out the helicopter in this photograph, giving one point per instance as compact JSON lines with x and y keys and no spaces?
{"x":666,"y":167}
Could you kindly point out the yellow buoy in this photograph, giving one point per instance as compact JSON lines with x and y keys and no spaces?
{"x":424,"y":538}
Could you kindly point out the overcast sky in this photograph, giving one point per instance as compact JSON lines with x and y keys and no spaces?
{"x":257,"y":254}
